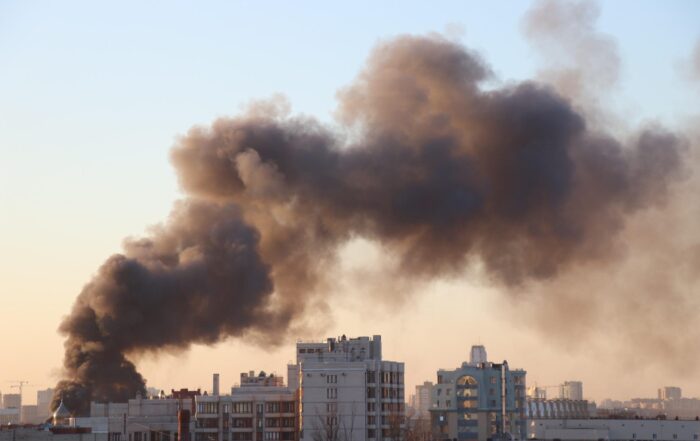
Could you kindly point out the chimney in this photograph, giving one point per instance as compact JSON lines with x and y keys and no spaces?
{"x":183,"y":426}
{"x":215,"y":388}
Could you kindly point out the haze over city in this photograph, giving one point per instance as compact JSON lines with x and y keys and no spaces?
{"x":117,"y":123}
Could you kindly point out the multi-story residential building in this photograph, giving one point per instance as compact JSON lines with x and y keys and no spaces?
{"x":479,"y":401}
{"x":347,"y":392}
{"x":571,"y":390}
{"x":257,"y":410}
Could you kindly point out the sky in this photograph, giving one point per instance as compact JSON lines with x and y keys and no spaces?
{"x":93,"y":96}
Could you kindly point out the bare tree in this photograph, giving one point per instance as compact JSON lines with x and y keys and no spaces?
{"x":333,"y":425}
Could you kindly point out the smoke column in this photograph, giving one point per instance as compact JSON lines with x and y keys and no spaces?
{"x":440,"y":172}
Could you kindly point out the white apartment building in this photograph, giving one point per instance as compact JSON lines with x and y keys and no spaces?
{"x":346,"y":391}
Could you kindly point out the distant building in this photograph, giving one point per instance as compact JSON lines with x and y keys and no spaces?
{"x":43,"y":403}
{"x":670,"y":393}
{"x":9,"y":416}
{"x":478,"y":402}
{"x":29,"y":414}
{"x":422,"y":399}
{"x":571,"y":390}
{"x":536,"y":393}
{"x":12,"y":401}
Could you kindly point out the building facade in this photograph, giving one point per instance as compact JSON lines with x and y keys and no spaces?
{"x":422,"y":399}
{"x":12,"y":401}
{"x":670,"y":393}
{"x":255,"y":411}
{"x":347,"y":392}
{"x":43,"y":403}
{"x":613,"y":430}
{"x":479,"y":401}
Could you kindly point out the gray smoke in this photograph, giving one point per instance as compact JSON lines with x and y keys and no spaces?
{"x":439,"y":172}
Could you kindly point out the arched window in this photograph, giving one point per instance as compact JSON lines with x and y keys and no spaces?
{"x":466,"y":380}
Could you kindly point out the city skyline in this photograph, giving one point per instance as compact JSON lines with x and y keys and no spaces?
{"x":95,"y":103}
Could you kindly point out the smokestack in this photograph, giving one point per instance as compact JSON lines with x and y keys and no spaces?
{"x":215,"y":386}
{"x":183,"y":424}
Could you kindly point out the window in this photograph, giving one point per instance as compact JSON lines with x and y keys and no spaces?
{"x":371,"y":376}
{"x":370,"y":392}
{"x":494,"y":380}
{"x":208,"y":407}
{"x":207,"y":423}
{"x":466,"y":380}
{"x":448,"y":403}
{"x":469,"y":404}
{"x":371,"y":420}
{"x":468,"y":393}
{"x":439,"y":392}
{"x":371,"y":407}
{"x":371,"y":433}
{"x":259,"y":408}
{"x":332,"y":407}
{"x":331,"y":379}
{"x":332,"y":393}
{"x":448,"y":391}
{"x":241,"y":422}
{"x":242,"y":436}
{"x":242,"y":407}
{"x":331,"y":421}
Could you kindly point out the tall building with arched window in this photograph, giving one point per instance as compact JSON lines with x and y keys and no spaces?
{"x":479,"y":401}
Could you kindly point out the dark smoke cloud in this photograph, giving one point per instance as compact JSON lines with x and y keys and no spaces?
{"x":196,"y":278}
{"x":439,"y":172}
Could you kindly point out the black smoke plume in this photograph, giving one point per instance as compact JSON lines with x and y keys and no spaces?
{"x":439,"y":171}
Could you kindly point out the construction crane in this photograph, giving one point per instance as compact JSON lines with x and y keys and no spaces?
{"x":19,"y":384}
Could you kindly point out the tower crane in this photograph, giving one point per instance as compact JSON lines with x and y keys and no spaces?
{"x":19,"y":384}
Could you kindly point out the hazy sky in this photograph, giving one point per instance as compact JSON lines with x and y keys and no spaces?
{"x":92,"y":97}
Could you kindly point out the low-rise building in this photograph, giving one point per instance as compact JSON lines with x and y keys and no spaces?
{"x":613,"y":430}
